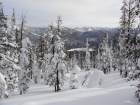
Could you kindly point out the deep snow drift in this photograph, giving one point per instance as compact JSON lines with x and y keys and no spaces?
{"x":113,"y":91}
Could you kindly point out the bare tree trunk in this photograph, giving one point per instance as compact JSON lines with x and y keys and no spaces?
{"x":55,"y":87}
{"x":57,"y":82}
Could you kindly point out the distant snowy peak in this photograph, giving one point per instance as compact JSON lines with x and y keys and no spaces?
{"x":85,"y":29}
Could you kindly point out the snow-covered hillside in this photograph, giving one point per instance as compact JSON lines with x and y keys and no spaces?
{"x":114,"y":91}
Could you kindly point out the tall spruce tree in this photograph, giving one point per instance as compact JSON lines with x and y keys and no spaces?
{"x":40,"y":53}
{"x":3,"y":87}
{"x":104,"y":56}
{"x":125,"y":42}
{"x":57,"y":65}
{"x":24,"y":63}
{"x":35,"y":70}
{"x":7,"y":63}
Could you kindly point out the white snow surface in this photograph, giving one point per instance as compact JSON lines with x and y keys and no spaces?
{"x":114,"y":91}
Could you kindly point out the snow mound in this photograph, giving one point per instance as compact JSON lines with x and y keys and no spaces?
{"x":96,"y":79}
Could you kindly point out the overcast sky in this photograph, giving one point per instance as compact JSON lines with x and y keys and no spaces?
{"x":75,"y":13}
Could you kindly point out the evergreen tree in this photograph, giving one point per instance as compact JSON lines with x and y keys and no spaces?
{"x":47,"y":54}
{"x":7,"y":62}
{"x":125,"y":41}
{"x":98,"y":60}
{"x":137,"y":46}
{"x":87,"y":58}
{"x":3,"y":87}
{"x":74,"y":83}
{"x":36,"y":71}
{"x":24,"y":63}
{"x":104,"y":56}
{"x":13,"y":48}
{"x":57,"y":65}
{"x":40,"y":54}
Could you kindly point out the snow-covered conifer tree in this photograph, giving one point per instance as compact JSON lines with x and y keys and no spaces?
{"x":24,"y":63}
{"x":57,"y":65}
{"x":3,"y":87}
{"x":74,"y":83}
{"x":12,"y":29}
{"x":40,"y":54}
{"x":48,"y":53}
{"x":105,"y":56}
{"x":35,"y":70}
{"x":98,"y":60}
{"x":137,"y":46}
{"x":3,"y":39}
{"x":79,"y":59}
{"x":13,"y":38}
{"x":125,"y":42}
{"x":87,"y":58}
{"x":14,"y":55}
{"x":7,"y":62}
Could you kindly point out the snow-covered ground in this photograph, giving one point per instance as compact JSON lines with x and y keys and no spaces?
{"x":114,"y":91}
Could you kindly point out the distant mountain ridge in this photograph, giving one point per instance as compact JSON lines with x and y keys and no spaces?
{"x":76,"y":37}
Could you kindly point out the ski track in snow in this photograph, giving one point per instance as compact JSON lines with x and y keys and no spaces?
{"x":113,"y":91}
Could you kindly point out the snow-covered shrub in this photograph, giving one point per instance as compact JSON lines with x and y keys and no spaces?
{"x":74,"y":83}
{"x":96,"y":79}
{"x":3,"y":87}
